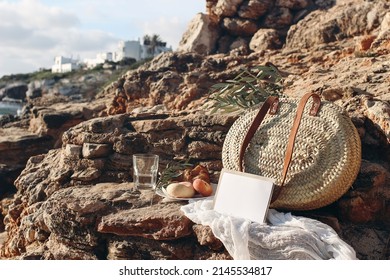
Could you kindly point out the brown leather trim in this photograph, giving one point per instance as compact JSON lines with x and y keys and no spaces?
{"x":270,"y":102}
{"x":294,"y":131}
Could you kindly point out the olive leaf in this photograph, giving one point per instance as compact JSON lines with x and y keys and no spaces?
{"x":174,"y":169}
{"x":250,"y":87}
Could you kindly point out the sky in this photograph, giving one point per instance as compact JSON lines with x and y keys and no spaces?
{"x":33,"y":32}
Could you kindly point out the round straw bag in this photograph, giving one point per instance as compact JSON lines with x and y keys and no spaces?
{"x":311,"y":149}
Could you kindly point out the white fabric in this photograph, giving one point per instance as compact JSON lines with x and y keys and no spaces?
{"x":283,"y":237}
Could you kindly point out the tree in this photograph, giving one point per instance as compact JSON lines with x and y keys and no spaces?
{"x":153,"y":42}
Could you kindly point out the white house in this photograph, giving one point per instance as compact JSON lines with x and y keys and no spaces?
{"x":64,"y":64}
{"x":99,"y":59}
{"x":134,"y":49}
{"x":128,"y":49}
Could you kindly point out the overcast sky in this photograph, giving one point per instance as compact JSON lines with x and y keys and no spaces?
{"x":33,"y":32}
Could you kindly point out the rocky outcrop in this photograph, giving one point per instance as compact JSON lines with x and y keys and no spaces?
{"x":176,"y":80}
{"x":111,"y":220}
{"x":200,"y":36}
{"x":16,"y":91}
{"x":228,"y":19}
{"x":335,"y":25}
{"x":70,"y":180}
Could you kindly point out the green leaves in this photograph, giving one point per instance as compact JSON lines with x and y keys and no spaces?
{"x":247,"y":89}
{"x":173,"y":170}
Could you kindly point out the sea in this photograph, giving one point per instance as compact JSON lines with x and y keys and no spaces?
{"x":10,"y":108}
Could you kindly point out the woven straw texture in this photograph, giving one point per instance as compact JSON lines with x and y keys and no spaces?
{"x":326,"y":157}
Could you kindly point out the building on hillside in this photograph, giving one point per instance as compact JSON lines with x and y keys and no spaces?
{"x":100,"y":58}
{"x":128,"y":49}
{"x":64,"y":64}
{"x":134,"y":49}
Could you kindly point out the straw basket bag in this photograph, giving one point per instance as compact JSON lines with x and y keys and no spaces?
{"x":311,"y":148}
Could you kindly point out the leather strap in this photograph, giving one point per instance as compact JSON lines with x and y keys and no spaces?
{"x":294,"y":130}
{"x":273,"y":102}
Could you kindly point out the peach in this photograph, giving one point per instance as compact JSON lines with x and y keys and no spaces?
{"x":202,"y":187}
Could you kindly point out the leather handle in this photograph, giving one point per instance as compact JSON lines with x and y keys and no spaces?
{"x":273,"y":102}
{"x":294,"y":130}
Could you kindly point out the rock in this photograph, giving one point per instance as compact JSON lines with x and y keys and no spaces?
{"x":253,"y":9}
{"x":366,"y":42}
{"x":56,"y":119}
{"x":34,"y":90}
{"x":148,"y":222}
{"x":293,"y":4}
{"x":17,"y":145}
{"x":368,"y":242}
{"x":201,"y":36}
{"x":279,"y":18}
{"x":68,"y":218}
{"x":7,"y":177}
{"x":379,"y":112}
{"x":138,"y":248}
{"x":120,"y":162}
{"x":73,"y":151}
{"x":16,"y":91}
{"x":226,"y":8}
{"x":240,"y":43}
{"x":5,"y":119}
{"x":206,"y":237}
{"x":86,"y":175}
{"x":131,"y":143}
{"x":334,"y":24}
{"x":239,"y":27}
{"x":202,"y":150}
{"x":224,"y":43}
{"x":265,"y":39}
{"x":91,"y":150}
{"x":366,"y":202}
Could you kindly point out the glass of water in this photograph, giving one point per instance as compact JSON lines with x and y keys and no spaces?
{"x":145,"y":168}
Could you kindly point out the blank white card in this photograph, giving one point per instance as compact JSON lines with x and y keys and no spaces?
{"x":243,"y":195}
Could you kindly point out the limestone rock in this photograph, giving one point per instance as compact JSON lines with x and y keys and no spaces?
{"x":148,"y":222}
{"x":239,"y":27}
{"x":18,"y":144}
{"x":206,"y":237}
{"x":64,"y":227}
{"x":379,"y":112}
{"x":86,"y":175}
{"x":367,"y":201}
{"x":253,"y":9}
{"x":8,"y":175}
{"x":201,"y":36}
{"x":56,"y":119}
{"x":369,"y":242}
{"x":72,"y":151}
{"x":60,"y":187}
{"x":92,"y":150}
{"x":335,"y":24}
{"x":279,"y":18}
{"x":16,"y":91}
{"x":265,"y":39}
{"x":241,"y":44}
{"x":226,"y":8}
{"x":293,"y":4}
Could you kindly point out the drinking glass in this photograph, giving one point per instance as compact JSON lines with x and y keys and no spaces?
{"x":145,"y":168}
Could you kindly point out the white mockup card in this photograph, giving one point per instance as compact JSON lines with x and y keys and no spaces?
{"x":243,"y":195}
